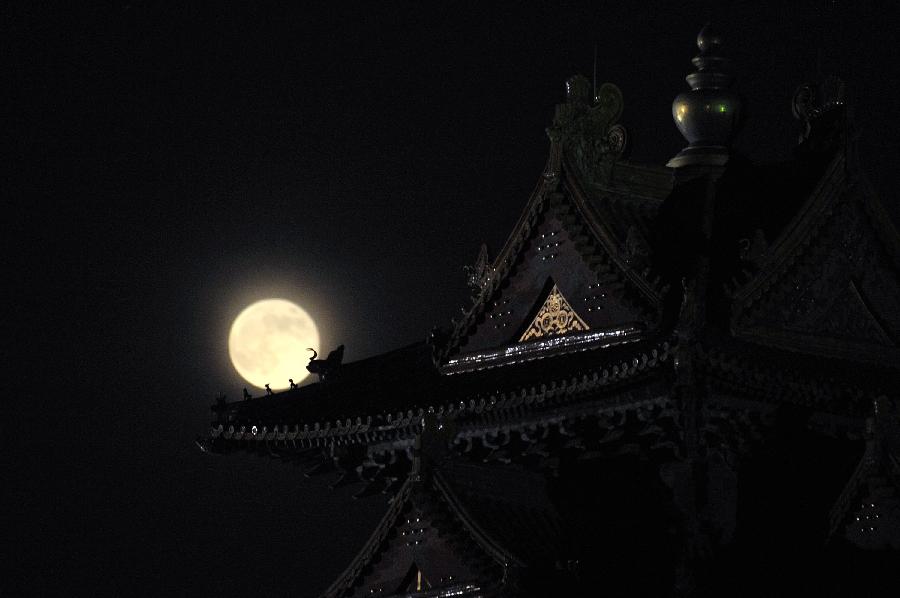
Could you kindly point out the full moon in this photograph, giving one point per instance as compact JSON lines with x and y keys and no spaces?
{"x":268,"y":343}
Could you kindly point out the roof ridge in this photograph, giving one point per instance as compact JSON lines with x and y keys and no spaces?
{"x":479,"y":534}
{"x":353,"y":570}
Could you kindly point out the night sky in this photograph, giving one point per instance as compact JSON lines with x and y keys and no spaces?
{"x":167,"y":167}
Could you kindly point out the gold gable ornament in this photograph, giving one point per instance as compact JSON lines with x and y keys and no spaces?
{"x":555,"y":317}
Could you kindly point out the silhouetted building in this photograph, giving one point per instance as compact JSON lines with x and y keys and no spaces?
{"x":678,"y":380}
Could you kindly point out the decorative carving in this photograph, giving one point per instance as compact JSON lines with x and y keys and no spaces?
{"x":686,"y":331}
{"x":438,"y":339}
{"x":637,"y":250}
{"x":479,"y":275}
{"x":848,"y":317}
{"x":589,"y":133}
{"x":555,"y":317}
{"x":752,"y":251}
{"x":616,"y":140}
{"x":811,"y":101}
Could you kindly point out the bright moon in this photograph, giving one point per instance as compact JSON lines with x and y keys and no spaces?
{"x":268,"y":343}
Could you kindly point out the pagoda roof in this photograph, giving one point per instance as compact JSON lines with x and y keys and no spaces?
{"x":609,"y":213}
{"x":384,"y":398}
{"x":673,"y":316}
{"x":503,"y":514}
{"x":335,"y":412}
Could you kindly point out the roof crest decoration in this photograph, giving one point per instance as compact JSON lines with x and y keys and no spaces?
{"x":587,"y":130}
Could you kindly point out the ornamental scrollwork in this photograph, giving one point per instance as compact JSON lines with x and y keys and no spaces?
{"x":478,"y":276}
{"x":586,"y":127}
{"x":555,"y":317}
{"x":812,"y":101}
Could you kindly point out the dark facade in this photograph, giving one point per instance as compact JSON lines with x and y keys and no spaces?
{"x":679,"y":380}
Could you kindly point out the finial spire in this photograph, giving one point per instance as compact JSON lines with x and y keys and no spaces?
{"x":707,"y":115}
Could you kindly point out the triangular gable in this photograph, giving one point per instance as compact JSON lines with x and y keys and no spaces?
{"x":867,"y":512}
{"x":785,"y":250}
{"x":872,"y":520}
{"x":554,"y":241}
{"x":555,"y":317}
{"x":828,"y":285}
{"x":422,"y":541}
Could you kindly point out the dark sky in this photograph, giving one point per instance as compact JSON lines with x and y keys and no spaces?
{"x":170,"y":166}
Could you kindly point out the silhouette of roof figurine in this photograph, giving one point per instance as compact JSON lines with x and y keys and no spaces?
{"x":247,"y":396}
{"x":325,"y":367}
{"x":291,"y":380}
{"x":269,"y":390}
